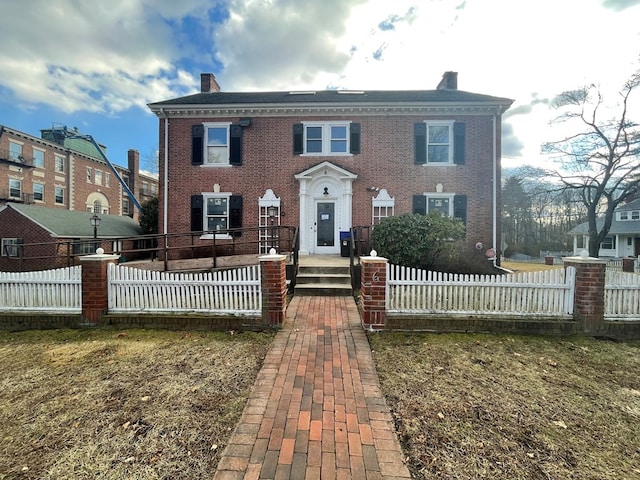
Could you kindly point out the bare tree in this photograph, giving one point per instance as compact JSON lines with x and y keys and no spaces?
{"x":601,"y":161}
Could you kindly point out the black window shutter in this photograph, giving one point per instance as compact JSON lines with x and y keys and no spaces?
{"x":420,"y":141}
{"x":298,"y":147}
{"x":235,"y":145}
{"x":460,"y":207}
{"x":197,"y":213}
{"x":197,"y":143}
{"x":420,"y":204}
{"x":458,"y":143}
{"x":235,"y":213}
{"x":354,"y":141}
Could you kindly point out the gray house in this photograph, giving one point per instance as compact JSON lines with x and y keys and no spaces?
{"x":624,"y":236}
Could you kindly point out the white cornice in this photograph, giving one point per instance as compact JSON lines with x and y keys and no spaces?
{"x":189,"y":111}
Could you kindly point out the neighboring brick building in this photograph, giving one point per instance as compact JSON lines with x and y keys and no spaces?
{"x":38,"y":238}
{"x":63,"y":169}
{"x":329,"y":160}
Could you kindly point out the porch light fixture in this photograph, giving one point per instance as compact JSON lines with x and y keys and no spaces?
{"x":271,"y":212}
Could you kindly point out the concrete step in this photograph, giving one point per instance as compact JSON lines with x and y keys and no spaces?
{"x":323,"y":280}
{"x":327,"y":289}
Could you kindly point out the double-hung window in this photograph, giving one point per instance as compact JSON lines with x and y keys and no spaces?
{"x":89,"y":175}
{"x":38,"y":158}
{"x":59,"y":195}
{"x":216,"y":212}
{"x":439,"y":143}
{"x":15,"y":188}
{"x":38,"y":192}
{"x":59,"y":164}
{"x":609,"y":243}
{"x":448,"y":204}
{"x":326,"y":138}
{"x":15,"y":151}
{"x":97,"y":178}
{"x":217,"y":144}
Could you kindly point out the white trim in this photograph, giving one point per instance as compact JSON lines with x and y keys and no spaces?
{"x":440,"y":123}
{"x":326,"y":138}
{"x":205,"y":144}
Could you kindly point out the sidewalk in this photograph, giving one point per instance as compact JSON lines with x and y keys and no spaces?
{"x":316,"y":410}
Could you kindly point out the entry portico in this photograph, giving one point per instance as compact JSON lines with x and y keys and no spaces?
{"x":325,"y":207}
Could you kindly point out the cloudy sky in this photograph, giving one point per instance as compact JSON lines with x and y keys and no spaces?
{"x":95,"y":64}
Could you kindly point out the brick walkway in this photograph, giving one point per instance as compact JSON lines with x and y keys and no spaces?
{"x":316,"y":410}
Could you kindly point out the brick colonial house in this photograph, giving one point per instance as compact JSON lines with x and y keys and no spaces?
{"x":63,"y":169}
{"x":328,"y":160}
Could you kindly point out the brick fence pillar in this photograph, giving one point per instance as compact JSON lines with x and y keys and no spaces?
{"x":588,"y":305}
{"x":628,"y":264}
{"x":373,"y":291}
{"x":95,"y":291}
{"x":273,"y":273}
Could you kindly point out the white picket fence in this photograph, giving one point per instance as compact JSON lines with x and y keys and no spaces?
{"x":543,"y":293}
{"x":622,"y":296}
{"x":54,"y":291}
{"x":234,"y":291}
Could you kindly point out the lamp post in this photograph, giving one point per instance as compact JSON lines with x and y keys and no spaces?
{"x":271,"y":211}
{"x":95,"y":223}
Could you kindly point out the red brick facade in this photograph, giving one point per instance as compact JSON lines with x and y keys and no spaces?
{"x":95,"y":292}
{"x":385,"y":161}
{"x":274,"y":290}
{"x":83,"y":181}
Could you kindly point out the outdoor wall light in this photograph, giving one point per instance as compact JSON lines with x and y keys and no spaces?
{"x":95,"y":223}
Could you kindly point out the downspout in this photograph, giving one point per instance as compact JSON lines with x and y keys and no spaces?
{"x":495,"y":191}
{"x":166,"y":176}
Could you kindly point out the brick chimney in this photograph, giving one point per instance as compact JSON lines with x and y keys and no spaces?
{"x":449,"y":81}
{"x":208,"y":83}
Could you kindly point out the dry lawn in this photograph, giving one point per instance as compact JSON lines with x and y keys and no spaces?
{"x":78,"y":404}
{"x":528,"y":267}
{"x":513,"y":407}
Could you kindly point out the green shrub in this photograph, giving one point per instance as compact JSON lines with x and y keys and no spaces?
{"x":415,"y":240}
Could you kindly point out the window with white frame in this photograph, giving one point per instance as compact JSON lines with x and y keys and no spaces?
{"x":15,"y":188}
{"x":382,"y":207}
{"x":609,"y":243}
{"x":622,"y":216}
{"x":15,"y":151}
{"x":216,"y":143}
{"x":98,"y":177}
{"x":59,"y":164}
{"x":89,"y":175}
{"x":10,"y":247}
{"x":125,"y":205}
{"x":38,"y":158}
{"x":216,"y":212}
{"x":107,"y":179}
{"x":440,"y":203}
{"x":38,"y":192}
{"x":635,"y":215}
{"x":59,"y":195}
{"x":439,"y":142}
{"x":326,"y":138}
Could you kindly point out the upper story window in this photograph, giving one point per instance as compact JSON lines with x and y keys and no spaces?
{"x":15,"y":188}
{"x":59,"y":195}
{"x":15,"y":151}
{"x":98,"y":177}
{"x":38,"y":192}
{"x":38,"y":158}
{"x":326,"y":138}
{"x":629,"y":215}
{"x":107,"y":179}
{"x":439,"y":143}
{"x":59,"y":164}
{"x":216,"y":144}
{"x":89,"y":175}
